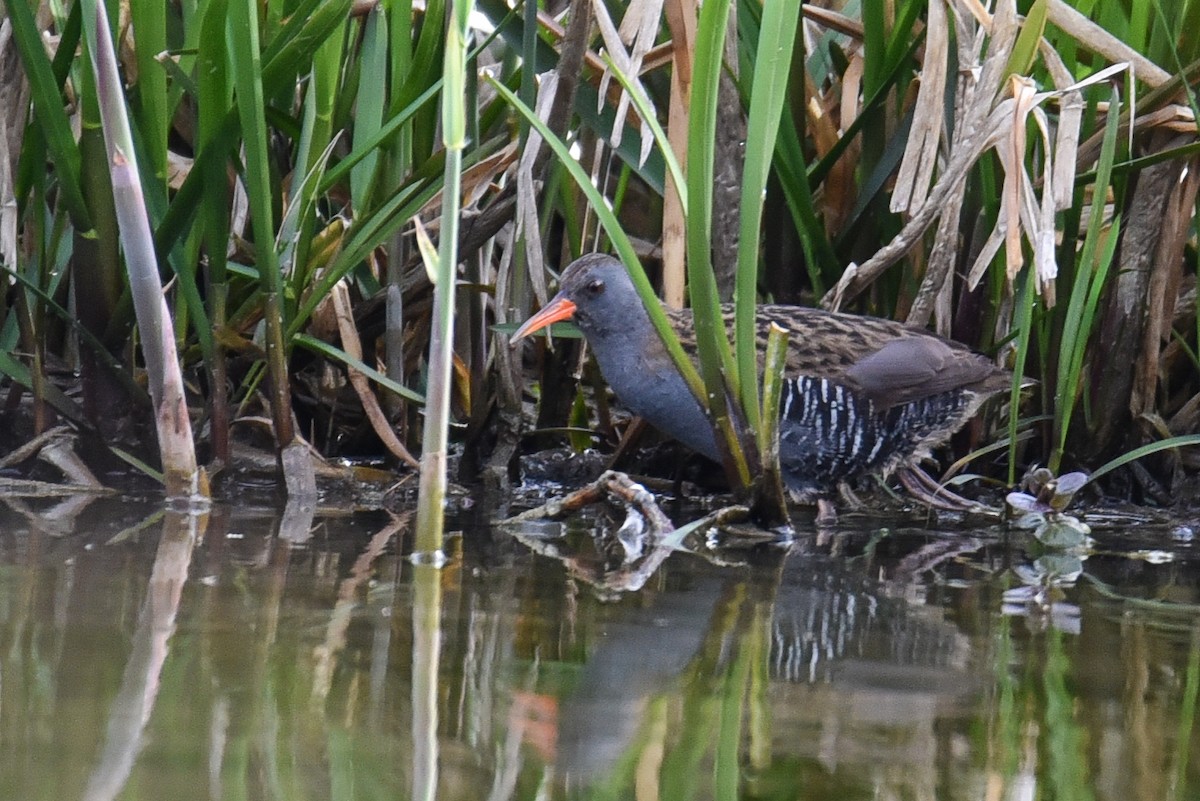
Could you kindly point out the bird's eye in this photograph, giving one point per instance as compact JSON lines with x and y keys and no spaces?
{"x":595,"y":287}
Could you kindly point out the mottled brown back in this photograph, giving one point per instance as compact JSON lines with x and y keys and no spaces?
{"x":889,"y":362}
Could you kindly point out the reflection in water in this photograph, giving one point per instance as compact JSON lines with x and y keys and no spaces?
{"x":319,"y":667}
{"x":139,"y":686}
{"x":638,"y":655}
{"x":426,"y":652}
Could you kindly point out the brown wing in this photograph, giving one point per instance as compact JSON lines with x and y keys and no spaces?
{"x":888,"y":361}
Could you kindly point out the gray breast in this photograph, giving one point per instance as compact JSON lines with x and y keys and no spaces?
{"x":656,"y":392}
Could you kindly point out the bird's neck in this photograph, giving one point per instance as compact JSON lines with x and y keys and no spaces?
{"x":637,"y":367}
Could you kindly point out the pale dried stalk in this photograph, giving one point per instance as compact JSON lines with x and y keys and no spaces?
{"x":639,"y":25}
{"x":1070,"y":119}
{"x":9,"y":216}
{"x":976,"y":134}
{"x":933,"y":297}
{"x":1016,"y":181}
{"x":921,"y":151}
{"x":527,"y":216}
{"x":681,"y":18}
{"x":1098,"y":40}
{"x":1022,"y":212}
{"x":934,"y":293}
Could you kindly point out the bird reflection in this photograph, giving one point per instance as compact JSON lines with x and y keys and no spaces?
{"x":788,"y":652}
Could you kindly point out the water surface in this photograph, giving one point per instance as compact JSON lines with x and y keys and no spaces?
{"x":163,"y":657}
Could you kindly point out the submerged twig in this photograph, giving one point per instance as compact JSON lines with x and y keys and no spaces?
{"x":611,"y":482}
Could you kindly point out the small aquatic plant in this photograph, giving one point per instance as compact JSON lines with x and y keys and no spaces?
{"x":1041,"y":508}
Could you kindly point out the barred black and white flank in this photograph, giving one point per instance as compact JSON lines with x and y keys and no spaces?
{"x":828,"y":434}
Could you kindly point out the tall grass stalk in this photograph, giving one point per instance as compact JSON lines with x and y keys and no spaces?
{"x":1091,"y":272}
{"x":432,"y":491}
{"x":180,"y":472}
{"x":1023,"y":323}
{"x":245,"y":51}
{"x":769,"y":504}
{"x":721,"y":379}
{"x":772,"y":70}
{"x":210,"y":235}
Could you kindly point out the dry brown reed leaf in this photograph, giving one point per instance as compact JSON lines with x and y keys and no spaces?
{"x":239,"y":212}
{"x":1023,"y":212}
{"x":1017,"y":187}
{"x":353,"y":348}
{"x":1172,"y":117}
{"x":933,"y":298}
{"x":1162,"y":292}
{"x":505,"y":250}
{"x":848,"y":108}
{"x":505,"y":363}
{"x":681,"y":19}
{"x":179,"y":167}
{"x":658,"y":56}
{"x":834,"y":21}
{"x":1021,"y":207}
{"x":428,"y":250}
{"x":839,"y":187}
{"x":1070,"y":119}
{"x":921,"y":151}
{"x":477,"y":180}
{"x":972,"y":137}
{"x":934,"y":295}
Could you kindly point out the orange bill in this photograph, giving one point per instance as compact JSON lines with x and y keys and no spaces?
{"x":559,"y":308}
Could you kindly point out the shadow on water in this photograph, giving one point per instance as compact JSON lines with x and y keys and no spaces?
{"x":251,"y":655}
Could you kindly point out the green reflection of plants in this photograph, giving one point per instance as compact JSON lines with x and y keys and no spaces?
{"x":706,"y":688}
{"x":1176,"y":623}
{"x":1003,"y":726}
{"x":1040,"y":705}
{"x":1187,"y":717}
{"x":1065,"y":743}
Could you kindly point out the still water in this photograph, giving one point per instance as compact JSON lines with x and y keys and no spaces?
{"x":152,"y":656}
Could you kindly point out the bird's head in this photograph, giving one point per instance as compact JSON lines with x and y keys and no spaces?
{"x":596,"y":292}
